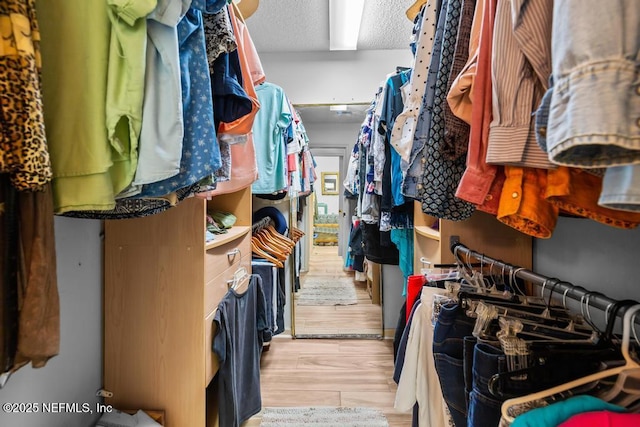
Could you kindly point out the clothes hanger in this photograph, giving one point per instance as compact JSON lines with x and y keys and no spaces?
{"x":541,"y":341}
{"x":240,"y":281}
{"x":269,"y":239}
{"x":629,"y":365}
{"x":626,"y":389}
{"x":281,"y":239}
{"x":531,"y":320}
{"x":273,"y":231}
{"x":262,"y":254}
{"x":260,"y":242}
{"x":242,"y":285}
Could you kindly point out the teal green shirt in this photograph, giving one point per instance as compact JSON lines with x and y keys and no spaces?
{"x":553,"y":415}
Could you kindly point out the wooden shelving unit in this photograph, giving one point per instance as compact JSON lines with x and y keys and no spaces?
{"x":162,"y":285}
{"x":482,"y":232}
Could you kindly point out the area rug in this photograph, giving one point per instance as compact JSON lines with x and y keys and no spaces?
{"x":323,"y":417}
{"x":323,"y":291}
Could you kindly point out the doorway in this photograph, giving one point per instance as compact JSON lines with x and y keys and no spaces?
{"x":333,"y":300}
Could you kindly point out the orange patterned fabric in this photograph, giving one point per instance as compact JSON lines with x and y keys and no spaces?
{"x":532,"y":199}
{"x":576,"y":192}
{"x":523,"y":205}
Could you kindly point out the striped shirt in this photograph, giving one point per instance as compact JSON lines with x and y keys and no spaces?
{"x":521,"y":67}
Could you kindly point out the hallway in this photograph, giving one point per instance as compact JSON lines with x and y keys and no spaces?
{"x":323,"y":372}
{"x":331,"y":372}
{"x":339,"y":321}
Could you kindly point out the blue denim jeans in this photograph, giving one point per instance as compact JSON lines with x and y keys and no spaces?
{"x":448,"y":352}
{"x":484,"y":408}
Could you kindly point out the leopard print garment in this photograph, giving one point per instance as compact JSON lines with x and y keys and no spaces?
{"x":23,"y":145}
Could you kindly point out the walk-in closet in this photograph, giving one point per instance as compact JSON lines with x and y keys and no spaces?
{"x":276,"y":213}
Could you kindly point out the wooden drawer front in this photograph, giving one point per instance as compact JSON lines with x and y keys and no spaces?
{"x":210,"y":359}
{"x":215,"y":290}
{"x":226,"y":256}
{"x":216,"y":287}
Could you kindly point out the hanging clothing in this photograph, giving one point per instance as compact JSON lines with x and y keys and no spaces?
{"x":460,"y":96}
{"x":75,"y":44}
{"x":218,"y":33}
{"x":576,"y":191}
{"x":239,"y":130}
{"x":230,"y":101}
{"x":405,"y":124}
{"x":456,"y":130}
{"x":39,"y":307}
{"x":23,"y":143}
{"x":441,"y":176}
{"x":9,"y":236}
{"x":595,"y":108}
{"x":254,"y":64}
{"x":481,"y":183}
{"x":621,"y":188}
{"x":125,"y":84}
{"x":244,"y":167}
{"x":200,"y":149}
{"x":28,"y":281}
{"x":523,"y":205}
{"x":392,"y":106}
{"x":268,"y":273}
{"x":272,"y":120}
{"x":377,"y":245}
{"x":412,"y":183}
{"x":241,"y":330}
{"x":520,"y":71}
{"x":418,"y":381}
{"x":162,"y":132}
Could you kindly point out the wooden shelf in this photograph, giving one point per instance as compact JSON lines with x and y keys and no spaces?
{"x":481,"y":231}
{"x":234,"y":233}
{"x":158,"y":320}
{"x":427,"y":232}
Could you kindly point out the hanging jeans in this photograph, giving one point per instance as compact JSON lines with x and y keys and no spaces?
{"x":558,"y":368}
{"x":465,"y":366}
{"x":448,"y":352}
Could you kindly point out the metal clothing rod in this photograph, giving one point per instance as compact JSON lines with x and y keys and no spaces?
{"x":259,"y":225}
{"x":566,"y":289}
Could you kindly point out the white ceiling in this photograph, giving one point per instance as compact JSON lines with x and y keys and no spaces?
{"x":355,"y":113}
{"x":279,"y":26}
{"x":303,"y":25}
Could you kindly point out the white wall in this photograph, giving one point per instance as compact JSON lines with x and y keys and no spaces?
{"x":75,"y":374}
{"x":332,"y":77}
{"x":328,"y":164}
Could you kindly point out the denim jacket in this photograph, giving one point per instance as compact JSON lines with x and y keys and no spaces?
{"x":594,"y":119}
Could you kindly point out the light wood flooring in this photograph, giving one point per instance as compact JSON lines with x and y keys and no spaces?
{"x":325,"y":372}
{"x":332,"y":372}
{"x":363,"y":318}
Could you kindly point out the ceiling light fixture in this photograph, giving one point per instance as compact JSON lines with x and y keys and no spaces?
{"x":344,"y":23}
{"x":338,"y":107}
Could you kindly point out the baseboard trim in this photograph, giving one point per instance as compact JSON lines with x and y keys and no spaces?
{"x":389,"y":334}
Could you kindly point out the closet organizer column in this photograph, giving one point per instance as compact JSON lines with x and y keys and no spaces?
{"x":163,"y":282}
{"x":484,"y":232}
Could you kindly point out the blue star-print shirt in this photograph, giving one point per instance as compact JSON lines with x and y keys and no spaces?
{"x":200,"y":149}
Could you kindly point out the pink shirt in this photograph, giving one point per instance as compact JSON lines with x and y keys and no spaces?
{"x":602,"y":419}
{"x":481,"y":183}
